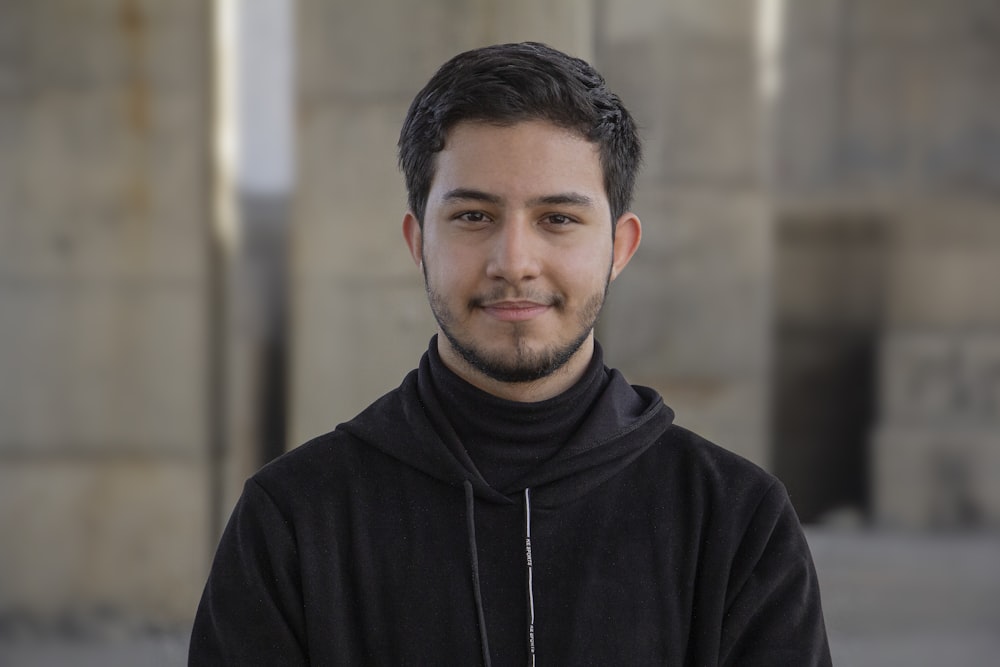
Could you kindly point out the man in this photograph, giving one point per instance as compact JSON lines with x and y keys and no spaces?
{"x":514,"y":500}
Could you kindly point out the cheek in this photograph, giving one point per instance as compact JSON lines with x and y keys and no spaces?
{"x":448,"y":274}
{"x":586,"y":267}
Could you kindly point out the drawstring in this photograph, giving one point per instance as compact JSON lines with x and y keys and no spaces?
{"x":531,"y":587}
{"x":470,"y":519}
{"x":471,"y":523}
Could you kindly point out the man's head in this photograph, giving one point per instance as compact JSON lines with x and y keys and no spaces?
{"x":511,"y":83}
{"x":520,"y":166}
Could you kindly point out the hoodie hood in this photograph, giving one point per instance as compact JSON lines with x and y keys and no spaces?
{"x":622,"y":423}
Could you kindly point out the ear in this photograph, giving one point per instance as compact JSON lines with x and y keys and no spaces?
{"x":628,"y":233}
{"x":414,"y":237}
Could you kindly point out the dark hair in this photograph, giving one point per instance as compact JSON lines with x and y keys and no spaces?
{"x":509,"y":83}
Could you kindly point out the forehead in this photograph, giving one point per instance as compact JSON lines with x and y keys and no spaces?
{"x":528,"y":158}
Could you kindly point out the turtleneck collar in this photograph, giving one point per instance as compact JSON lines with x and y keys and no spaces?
{"x":507,"y":439}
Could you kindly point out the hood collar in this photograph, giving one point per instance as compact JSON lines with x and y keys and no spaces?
{"x":622,"y":423}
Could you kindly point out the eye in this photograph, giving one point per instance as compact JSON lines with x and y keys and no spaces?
{"x":474,"y":217}
{"x":558,"y":220}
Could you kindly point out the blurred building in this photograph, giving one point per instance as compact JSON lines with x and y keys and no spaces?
{"x":817,"y":288}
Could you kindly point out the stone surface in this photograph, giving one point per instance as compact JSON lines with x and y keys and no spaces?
{"x":358,"y":339}
{"x":907,"y":600}
{"x":106,"y":367}
{"x":883,"y":114}
{"x":890,"y":94}
{"x":930,"y":377}
{"x":701,"y":263}
{"x":830,"y":270}
{"x":104,"y":410}
{"x":947,"y":250}
{"x":936,"y":447}
{"x":937,"y":476}
{"x":101,"y":244}
{"x":121,"y":536}
{"x":690,"y":316}
{"x":130,"y":203}
{"x":351,"y":199}
{"x":339,"y":58}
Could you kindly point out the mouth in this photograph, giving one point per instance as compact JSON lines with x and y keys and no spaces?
{"x":514,"y":311}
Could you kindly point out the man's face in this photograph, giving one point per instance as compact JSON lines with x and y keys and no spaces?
{"x":516,"y":247}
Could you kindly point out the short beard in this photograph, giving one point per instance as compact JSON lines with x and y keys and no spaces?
{"x":523,"y":365}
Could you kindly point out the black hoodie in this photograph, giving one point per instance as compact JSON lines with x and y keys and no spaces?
{"x":635,"y":543}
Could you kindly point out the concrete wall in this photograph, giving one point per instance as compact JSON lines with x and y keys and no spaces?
{"x":691,"y":315}
{"x":103,"y":228}
{"x":936,"y":450}
{"x":887,"y":115}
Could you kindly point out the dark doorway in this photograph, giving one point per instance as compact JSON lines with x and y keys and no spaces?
{"x":829,"y":294}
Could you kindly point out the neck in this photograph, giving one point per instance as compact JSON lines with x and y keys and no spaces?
{"x":523,"y":392}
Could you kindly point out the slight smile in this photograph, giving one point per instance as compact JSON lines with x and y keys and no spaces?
{"x":515,"y":311}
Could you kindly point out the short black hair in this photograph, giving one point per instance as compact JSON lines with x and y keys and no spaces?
{"x":510,"y":83}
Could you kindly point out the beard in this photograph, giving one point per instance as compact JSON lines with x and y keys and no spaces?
{"x":520,"y":363}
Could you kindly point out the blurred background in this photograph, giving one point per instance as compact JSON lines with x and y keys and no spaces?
{"x":201,"y":266}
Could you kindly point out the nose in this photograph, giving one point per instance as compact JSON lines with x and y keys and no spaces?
{"x":514,"y":255}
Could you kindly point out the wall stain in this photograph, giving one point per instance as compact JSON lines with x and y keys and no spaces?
{"x":134,"y":28}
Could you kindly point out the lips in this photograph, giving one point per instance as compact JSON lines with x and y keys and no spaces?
{"x":515,"y":311}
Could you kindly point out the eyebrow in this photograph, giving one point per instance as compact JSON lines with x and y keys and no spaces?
{"x":459,"y":194}
{"x":562,"y":198}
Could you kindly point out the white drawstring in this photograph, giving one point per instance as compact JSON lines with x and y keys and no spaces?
{"x":531,"y":592}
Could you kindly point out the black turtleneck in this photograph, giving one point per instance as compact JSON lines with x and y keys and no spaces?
{"x":507,"y":439}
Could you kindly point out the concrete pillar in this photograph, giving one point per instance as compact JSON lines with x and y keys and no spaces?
{"x":918,"y":127}
{"x":103,"y":406}
{"x":691,"y":315}
{"x":937,"y":446}
{"x":887,"y":114}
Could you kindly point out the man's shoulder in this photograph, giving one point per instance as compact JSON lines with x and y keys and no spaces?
{"x":344,"y":448}
{"x":334,"y":460}
{"x":714,"y":488}
{"x":690,"y":455}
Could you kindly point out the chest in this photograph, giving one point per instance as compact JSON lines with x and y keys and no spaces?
{"x":610,"y":576}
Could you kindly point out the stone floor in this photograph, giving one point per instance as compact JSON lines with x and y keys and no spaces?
{"x":918,"y":601}
{"x":890,"y":601}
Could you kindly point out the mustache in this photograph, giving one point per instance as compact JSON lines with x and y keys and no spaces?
{"x":507,"y":294}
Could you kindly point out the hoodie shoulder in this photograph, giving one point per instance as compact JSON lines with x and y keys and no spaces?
{"x":712,"y":458}
{"x":390,"y":435}
{"x":383,"y":419}
{"x":322,"y":461}
{"x":709,"y":475}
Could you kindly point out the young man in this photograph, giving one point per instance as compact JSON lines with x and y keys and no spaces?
{"x":514,"y":500}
